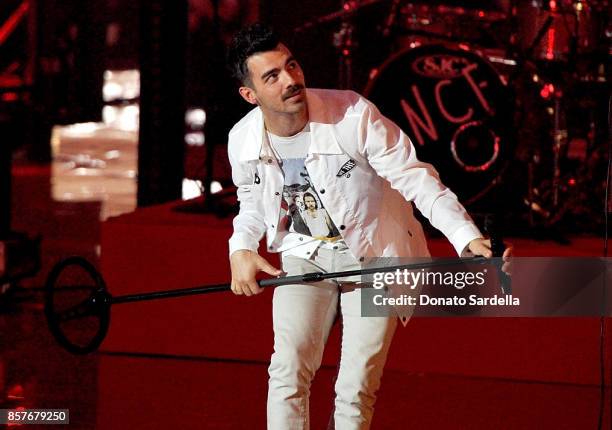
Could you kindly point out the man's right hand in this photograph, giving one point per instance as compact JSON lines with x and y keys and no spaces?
{"x":245,"y":265}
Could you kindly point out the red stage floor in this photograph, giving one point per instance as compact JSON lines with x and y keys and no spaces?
{"x":131,"y":391}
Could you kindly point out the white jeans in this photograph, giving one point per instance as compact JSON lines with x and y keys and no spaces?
{"x":302,"y":318}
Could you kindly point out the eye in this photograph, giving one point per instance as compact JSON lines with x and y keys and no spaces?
{"x":271,"y":78}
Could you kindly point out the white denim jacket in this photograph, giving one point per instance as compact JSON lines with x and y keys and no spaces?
{"x":366,"y":172}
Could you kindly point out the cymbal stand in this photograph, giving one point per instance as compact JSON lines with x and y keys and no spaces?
{"x":344,"y":42}
{"x":390,"y":21}
{"x":559,"y":137}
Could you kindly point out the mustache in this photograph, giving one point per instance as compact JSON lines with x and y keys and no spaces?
{"x":293,"y":91}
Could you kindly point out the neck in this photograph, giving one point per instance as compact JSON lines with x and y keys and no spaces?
{"x":286,"y":124}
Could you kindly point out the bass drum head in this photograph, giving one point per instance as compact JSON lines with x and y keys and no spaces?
{"x":455,"y":108}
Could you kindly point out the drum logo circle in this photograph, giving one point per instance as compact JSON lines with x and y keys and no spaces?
{"x":442,"y":66}
{"x":444,"y":70}
{"x":456,"y":110}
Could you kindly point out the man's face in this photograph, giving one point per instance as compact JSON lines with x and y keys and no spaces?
{"x":276,"y":82}
{"x":310,"y":203}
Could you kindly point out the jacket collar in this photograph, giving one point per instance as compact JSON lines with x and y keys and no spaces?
{"x":323,"y":139}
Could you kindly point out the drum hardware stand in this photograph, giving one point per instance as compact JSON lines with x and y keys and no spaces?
{"x":387,"y":30}
{"x":343,"y":39}
{"x":533,"y":159}
{"x":344,"y":42}
{"x":533,"y":192}
{"x":348,"y":8}
{"x":523,"y":58}
{"x":548,"y":212}
{"x":559,"y":137}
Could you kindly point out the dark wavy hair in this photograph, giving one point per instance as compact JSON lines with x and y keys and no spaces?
{"x":307,"y":194}
{"x":250,"y":40}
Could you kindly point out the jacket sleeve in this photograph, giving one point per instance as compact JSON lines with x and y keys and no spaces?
{"x":249,"y":225}
{"x":391,"y":154}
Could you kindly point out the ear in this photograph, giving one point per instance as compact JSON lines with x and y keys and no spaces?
{"x":249,"y":95}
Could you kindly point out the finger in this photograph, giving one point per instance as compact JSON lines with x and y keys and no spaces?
{"x":481,"y":249}
{"x":268,"y":268}
{"x":236,"y":289}
{"x":508,"y":253}
{"x":249,"y":289}
{"x":254,"y":288}
{"x":245,"y":289}
{"x":507,"y":268}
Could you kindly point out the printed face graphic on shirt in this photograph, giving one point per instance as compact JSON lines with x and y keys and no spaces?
{"x":305,"y":213}
{"x":310,"y":202}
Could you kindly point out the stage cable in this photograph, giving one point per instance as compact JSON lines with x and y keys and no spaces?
{"x":602,"y":319}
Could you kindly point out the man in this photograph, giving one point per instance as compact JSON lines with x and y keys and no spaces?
{"x":365,"y":173}
{"x":317,"y":220}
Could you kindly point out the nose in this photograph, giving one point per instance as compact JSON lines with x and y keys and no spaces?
{"x":291,"y":77}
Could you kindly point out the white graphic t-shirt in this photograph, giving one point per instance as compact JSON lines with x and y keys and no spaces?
{"x":304,"y":213}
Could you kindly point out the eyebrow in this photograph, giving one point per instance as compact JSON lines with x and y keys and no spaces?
{"x":276,"y":70}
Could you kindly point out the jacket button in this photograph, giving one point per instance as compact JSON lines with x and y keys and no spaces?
{"x":277,"y":193}
{"x":342,"y":227}
{"x":272,"y":226}
{"x":361,"y":258}
{"x":269,"y":161}
{"x":322,"y":191}
{"x":301,"y":238}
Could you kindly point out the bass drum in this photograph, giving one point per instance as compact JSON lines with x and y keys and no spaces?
{"x":455,"y":108}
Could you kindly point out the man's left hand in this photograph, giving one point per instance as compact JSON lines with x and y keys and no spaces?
{"x":483,"y":247}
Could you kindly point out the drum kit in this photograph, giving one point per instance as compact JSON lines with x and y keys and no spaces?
{"x":497,"y":95}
